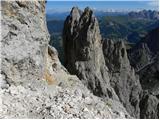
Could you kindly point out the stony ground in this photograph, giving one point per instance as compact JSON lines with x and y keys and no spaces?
{"x":20,"y":102}
{"x":65,"y":97}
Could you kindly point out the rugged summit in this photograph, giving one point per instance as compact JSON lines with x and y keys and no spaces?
{"x":123,"y":78}
{"x":83,"y":51}
{"x":102,"y":66}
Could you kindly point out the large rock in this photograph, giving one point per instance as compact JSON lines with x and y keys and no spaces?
{"x":123,"y":78}
{"x":83,"y":51}
{"x":149,"y":106}
{"x":24,"y":41}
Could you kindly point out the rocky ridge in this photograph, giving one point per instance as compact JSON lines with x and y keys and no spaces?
{"x":67,"y":97}
{"x":107,"y":73}
{"x":33,"y":83}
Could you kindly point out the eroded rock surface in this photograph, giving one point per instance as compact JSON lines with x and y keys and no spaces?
{"x":55,"y":102}
{"x":83,"y":51}
{"x":24,"y":41}
{"x":123,"y":78}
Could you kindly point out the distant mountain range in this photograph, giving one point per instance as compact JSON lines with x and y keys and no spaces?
{"x":126,"y":27}
{"x":62,"y":15}
{"x":130,"y":26}
{"x":148,"y":14}
{"x":56,"y":16}
{"x":144,"y":14}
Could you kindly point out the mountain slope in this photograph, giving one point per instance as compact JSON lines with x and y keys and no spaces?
{"x":145,"y":58}
{"x":103,"y":67}
{"x":125,"y":27}
{"x":33,"y":82}
{"x":145,"y":51}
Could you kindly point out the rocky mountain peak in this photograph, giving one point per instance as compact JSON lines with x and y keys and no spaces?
{"x":101,"y":70}
{"x":83,"y":52}
{"x":87,"y":13}
{"x":75,"y":13}
{"x":85,"y":28}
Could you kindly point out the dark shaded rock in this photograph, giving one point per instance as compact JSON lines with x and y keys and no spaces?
{"x":149,"y":106}
{"x":149,"y":78}
{"x":123,"y":78}
{"x":83,"y":51}
{"x":145,"y":51}
{"x":145,"y":58}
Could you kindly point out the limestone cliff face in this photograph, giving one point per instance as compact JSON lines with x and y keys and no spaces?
{"x":83,"y":51}
{"x":24,"y":41}
{"x":123,"y":78}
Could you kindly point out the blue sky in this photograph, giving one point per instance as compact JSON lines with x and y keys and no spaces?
{"x":62,"y":6}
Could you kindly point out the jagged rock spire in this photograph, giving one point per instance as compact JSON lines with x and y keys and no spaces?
{"x":83,"y":51}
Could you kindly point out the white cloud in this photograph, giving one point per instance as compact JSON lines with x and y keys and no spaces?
{"x":153,"y":3}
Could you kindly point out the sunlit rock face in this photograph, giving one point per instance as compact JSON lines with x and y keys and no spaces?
{"x":24,"y":41}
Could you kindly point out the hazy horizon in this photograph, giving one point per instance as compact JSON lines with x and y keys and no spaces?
{"x":111,"y":6}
